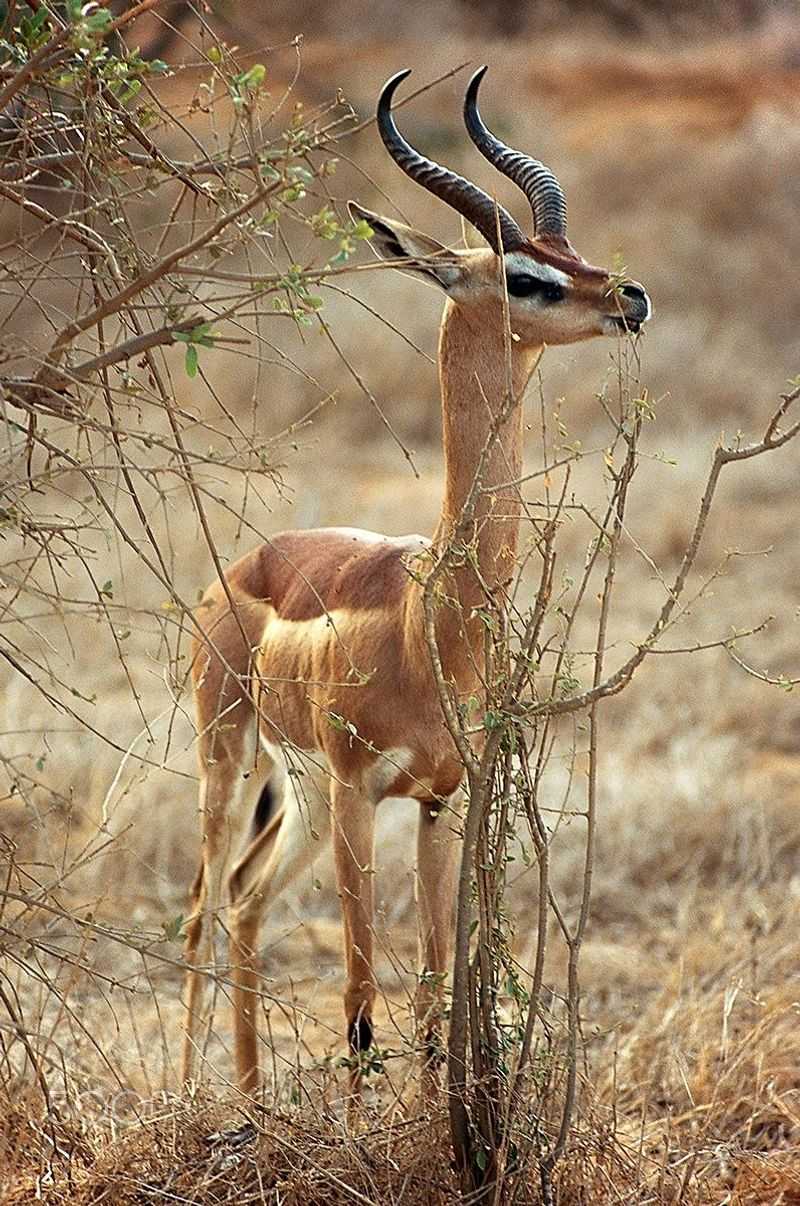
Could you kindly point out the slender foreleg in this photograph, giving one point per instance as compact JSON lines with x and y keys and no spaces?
{"x":220,"y":789}
{"x":438,"y":848}
{"x":353,"y":822}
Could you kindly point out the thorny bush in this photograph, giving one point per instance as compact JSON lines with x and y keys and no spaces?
{"x":148,"y":235}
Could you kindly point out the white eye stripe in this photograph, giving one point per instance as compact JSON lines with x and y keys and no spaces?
{"x":517,"y":263}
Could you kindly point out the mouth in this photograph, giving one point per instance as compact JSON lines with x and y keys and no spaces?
{"x":630,"y":325}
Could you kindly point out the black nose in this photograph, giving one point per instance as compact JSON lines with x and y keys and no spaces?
{"x":635,"y":302}
{"x":634,"y":292}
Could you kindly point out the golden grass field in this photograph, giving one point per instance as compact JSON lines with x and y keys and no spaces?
{"x":684,"y":166}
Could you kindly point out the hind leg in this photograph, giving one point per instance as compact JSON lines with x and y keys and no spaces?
{"x":194,"y":982}
{"x":275,"y":855}
{"x":222,"y":786}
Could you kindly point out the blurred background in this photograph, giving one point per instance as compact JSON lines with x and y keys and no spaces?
{"x":675,"y":131}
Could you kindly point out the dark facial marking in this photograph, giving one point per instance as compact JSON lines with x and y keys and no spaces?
{"x":523,"y":284}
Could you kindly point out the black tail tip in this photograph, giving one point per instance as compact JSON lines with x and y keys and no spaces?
{"x":359,"y":1034}
{"x":264,"y":809}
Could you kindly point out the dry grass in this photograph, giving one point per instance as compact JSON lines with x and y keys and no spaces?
{"x":199,"y":1151}
{"x":690,"y":980}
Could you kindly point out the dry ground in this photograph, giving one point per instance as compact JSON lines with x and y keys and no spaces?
{"x":687,"y":168}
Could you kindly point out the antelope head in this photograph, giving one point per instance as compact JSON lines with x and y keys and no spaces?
{"x":554,"y":296}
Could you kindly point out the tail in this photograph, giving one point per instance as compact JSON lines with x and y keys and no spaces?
{"x":264,"y":810}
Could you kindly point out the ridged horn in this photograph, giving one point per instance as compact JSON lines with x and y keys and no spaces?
{"x":467,"y":199}
{"x":536,"y":181}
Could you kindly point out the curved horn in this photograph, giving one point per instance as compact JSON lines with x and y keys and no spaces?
{"x":467,"y":199}
{"x":536,"y":181}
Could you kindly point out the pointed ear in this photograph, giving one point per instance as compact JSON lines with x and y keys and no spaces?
{"x":419,"y":252}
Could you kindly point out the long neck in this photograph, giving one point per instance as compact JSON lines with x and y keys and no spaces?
{"x":474,"y":372}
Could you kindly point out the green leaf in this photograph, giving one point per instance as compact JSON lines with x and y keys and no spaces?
{"x":191,"y":362}
{"x":254,"y":78}
{"x":325,"y":224}
{"x":98,"y":22}
{"x":248,"y":81}
{"x":201,"y":334}
{"x":107,"y":589}
{"x":173,"y":930}
{"x":131,"y":89}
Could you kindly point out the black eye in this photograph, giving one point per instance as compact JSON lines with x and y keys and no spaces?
{"x":553,"y":293}
{"x":522,"y":284}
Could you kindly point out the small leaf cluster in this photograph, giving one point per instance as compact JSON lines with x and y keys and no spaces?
{"x":245,"y":84}
{"x":32,"y":30}
{"x":199,"y":336}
